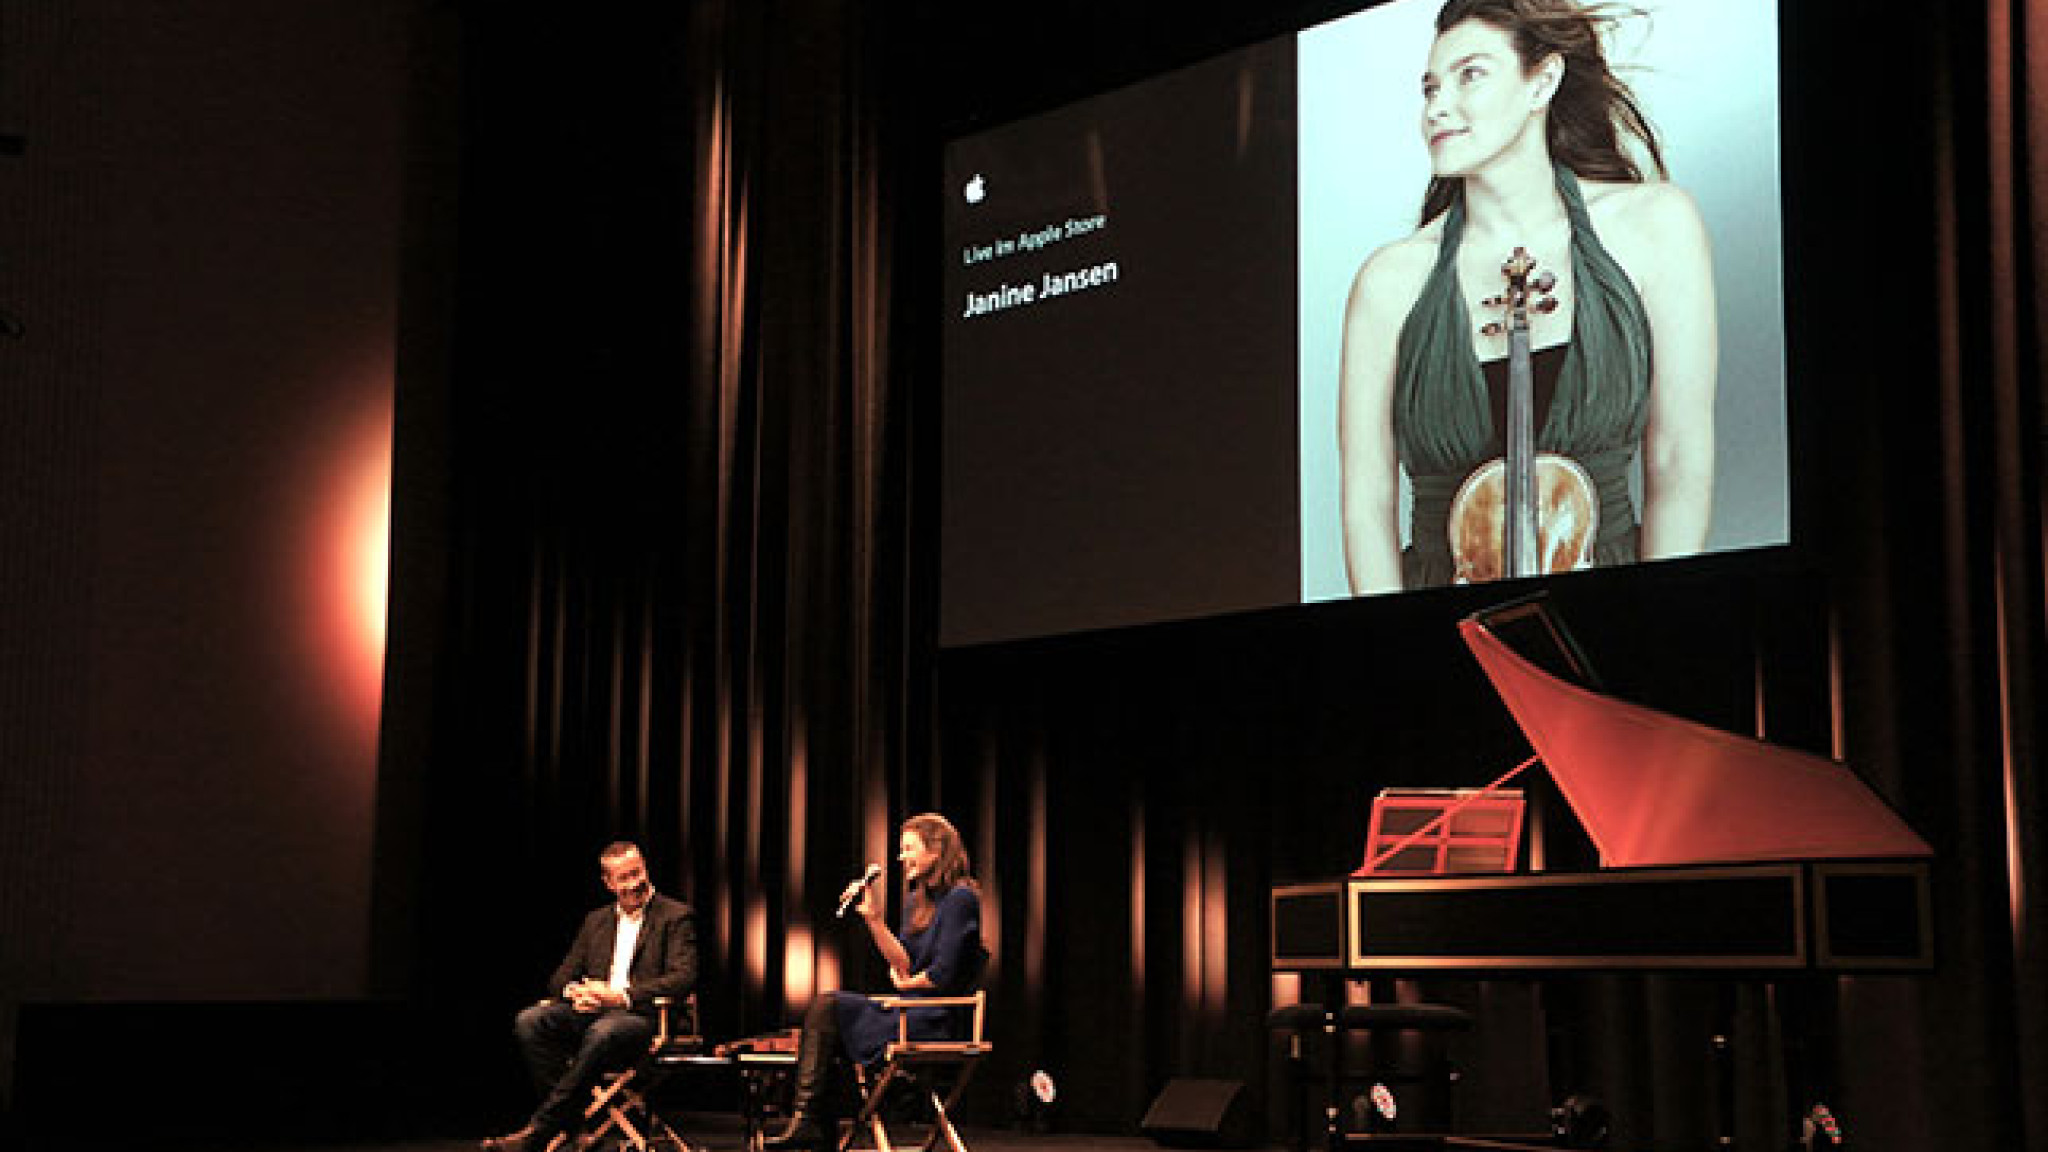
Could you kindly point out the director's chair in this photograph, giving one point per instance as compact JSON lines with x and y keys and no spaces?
{"x":921,"y":1062}
{"x":619,"y":1102}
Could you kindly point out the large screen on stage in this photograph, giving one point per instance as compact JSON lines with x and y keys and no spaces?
{"x":1207,"y":348}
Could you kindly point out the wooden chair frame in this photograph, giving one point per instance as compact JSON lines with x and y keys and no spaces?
{"x":905,"y":1058}
{"x":619,"y":1102}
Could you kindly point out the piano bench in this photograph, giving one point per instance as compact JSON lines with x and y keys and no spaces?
{"x":1312,"y":1017}
{"x":1432,"y":1022}
{"x":1404,"y":1018}
{"x":1298,"y":1018}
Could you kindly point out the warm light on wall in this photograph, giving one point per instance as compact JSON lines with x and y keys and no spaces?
{"x":755,"y":944}
{"x":826,"y":977}
{"x":1038,"y":863}
{"x":1216,"y":929}
{"x":1205,"y":925}
{"x":799,"y":968}
{"x":1191,"y":936}
{"x":369,"y":548}
{"x":352,"y":550}
{"x":1138,"y":874}
{"x":988,"y":820}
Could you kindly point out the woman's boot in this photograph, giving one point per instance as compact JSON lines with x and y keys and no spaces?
{"x":811,"y":1123}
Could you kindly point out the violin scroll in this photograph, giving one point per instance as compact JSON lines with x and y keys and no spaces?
{"x":1525,"y":294}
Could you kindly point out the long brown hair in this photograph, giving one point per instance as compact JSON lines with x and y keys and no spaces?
{"x":950,"y":870}
{"x":1592,"y":106}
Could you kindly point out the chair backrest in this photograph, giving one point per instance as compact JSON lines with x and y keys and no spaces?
{"x":977,"y":1030}
{"x":970,"y":1010}
{"x":676,"y":1023}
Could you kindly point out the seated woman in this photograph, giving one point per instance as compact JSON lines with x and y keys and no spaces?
{"x":939,"y":953}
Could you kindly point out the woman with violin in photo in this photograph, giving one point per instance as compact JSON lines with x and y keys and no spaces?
{"x":937,"y":953}
{"x":1552,"y":318}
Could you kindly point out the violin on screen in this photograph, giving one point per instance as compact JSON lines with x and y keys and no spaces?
{"x":1524,"y":513}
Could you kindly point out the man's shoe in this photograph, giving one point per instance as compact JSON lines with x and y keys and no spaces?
{"x":531,"y":1138}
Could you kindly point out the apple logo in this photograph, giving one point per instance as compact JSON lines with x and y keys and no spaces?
{"x":976,"y":189}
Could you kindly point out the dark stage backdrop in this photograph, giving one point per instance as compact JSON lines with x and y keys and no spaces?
{"x":653,"y":573}
{"x":198,"y":239}
{"x":663,"y":565}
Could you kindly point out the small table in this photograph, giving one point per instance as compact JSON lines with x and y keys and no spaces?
{"x":767,"y":1067}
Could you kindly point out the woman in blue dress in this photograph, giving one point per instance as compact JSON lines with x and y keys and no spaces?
{"x":937,"y":953}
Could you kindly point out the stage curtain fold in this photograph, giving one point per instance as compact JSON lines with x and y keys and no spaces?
{"x":656,"y":468}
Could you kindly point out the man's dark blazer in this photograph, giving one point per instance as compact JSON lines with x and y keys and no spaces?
{"x":664,"y":958}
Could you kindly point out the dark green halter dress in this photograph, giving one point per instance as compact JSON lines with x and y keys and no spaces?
{"x":1443,"y":418}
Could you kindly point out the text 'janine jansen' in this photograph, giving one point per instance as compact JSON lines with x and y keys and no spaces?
{"x":1050,"y":285}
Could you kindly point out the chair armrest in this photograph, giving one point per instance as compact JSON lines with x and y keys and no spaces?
{"x":898,"y":1004}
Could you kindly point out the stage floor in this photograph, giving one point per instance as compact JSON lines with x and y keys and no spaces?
{"x":721,"y":1134}
{"x":718,"y":1133}
{"x":712,"y":1133}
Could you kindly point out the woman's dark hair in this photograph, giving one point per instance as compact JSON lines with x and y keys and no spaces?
{"x":949,"y":870}
{"x":1592,"y":105}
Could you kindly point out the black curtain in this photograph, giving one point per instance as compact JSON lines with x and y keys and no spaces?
{"x":655,"y":551}
{"x":662,"y":569}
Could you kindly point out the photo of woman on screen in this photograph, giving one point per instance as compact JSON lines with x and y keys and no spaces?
{"x":1536,"y":144}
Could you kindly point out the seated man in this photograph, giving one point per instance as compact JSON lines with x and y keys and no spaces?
{"x":625,"y":955}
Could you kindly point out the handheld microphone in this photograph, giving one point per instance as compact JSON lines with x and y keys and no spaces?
{"x":854,"y":890}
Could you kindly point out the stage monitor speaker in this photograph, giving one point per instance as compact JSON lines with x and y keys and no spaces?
{"x":1192,"y":1113}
